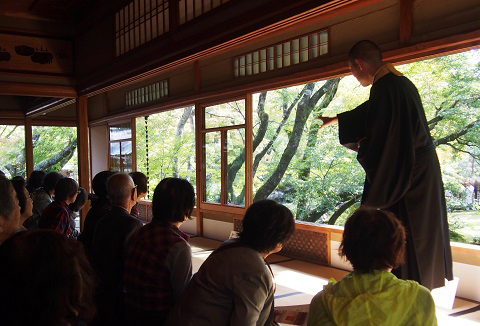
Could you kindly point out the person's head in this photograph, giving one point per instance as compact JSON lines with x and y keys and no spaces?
{"x":141,"y":181}
{"x":46,"y":280}
{"x":50,"y":182}
{"x":99,"y":183}
{"x":36,"y":180}
{"x":173,"y":201}
{"x":80,"y":201}
{"x":2,"y":174}
{"x":364,"y":59}
{"x":121,"y":190}
{"x":24,"y":200}
{"x":19,"y":178}
{"x":373,"y":239}
{"x":266,"y":226}
{"x":9,"y":209}
{"x":66,"y":190}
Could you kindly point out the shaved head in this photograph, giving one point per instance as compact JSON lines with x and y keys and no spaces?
{"x":120,"y":187}
{"x":367,"y":51}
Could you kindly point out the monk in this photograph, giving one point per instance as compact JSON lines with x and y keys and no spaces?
{"x":390,"y":133}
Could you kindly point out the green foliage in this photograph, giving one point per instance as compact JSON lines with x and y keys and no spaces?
{"x":12,"y":150}
{"x":54,"y":149}
{"x":450,"y":90}
{"x":171,"y":146}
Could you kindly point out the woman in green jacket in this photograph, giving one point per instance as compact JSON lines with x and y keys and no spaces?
{"x":374,"y":242}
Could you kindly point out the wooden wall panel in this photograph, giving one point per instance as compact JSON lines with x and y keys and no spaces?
{"x":25,"y":53}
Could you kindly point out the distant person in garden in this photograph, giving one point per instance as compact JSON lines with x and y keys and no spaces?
{"x":99,"y":207}
{"x":9,"y":210}
{"x":25,"y":201}
{"x":42,"y":198}
{"x":234,"y":286}
{"x":35,"y":181}
{"x":390,"y":133}
{"x":374,"y":242}
{"x":57,"y":215}
{"x":75,"y":208}
{"x":141,"y":181}
{"x":112,"y":237}
{"x":159,"y":262}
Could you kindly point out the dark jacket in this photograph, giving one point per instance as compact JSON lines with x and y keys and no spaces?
{"x":99,"y":209}
{"x":111,"y":239}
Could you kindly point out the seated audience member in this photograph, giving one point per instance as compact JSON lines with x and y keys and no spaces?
{"x":234,"y":286}
{"x":42,"y":198}
{"x":141,"y":181}
{"x":57,"y":215}
{"x":111,"y":239}
{"x":35,"y":182}
{"x":75,"y":208}
{"x":9,"y":211}
{"x":19,"y":178}
{"x":45,"y":279}
{"x":100,"y":206}
{"x":159,"y":263}
{"x":24,"y":200}
{"x":374,"y":242}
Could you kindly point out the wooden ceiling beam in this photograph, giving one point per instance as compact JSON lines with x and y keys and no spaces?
{"x":27,"y":89}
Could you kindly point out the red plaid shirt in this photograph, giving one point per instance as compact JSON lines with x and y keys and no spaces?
{"x":56,"y":217}
{"x":147,"y":278}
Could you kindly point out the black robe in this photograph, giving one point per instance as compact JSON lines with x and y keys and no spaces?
{"x":403,"y":174}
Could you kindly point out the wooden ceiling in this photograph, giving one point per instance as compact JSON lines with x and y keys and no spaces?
{"x":45,"y":10}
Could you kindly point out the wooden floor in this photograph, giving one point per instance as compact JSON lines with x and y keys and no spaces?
{"x":298,"y":281}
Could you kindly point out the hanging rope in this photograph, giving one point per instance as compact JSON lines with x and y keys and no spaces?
{"x":146,"y":152}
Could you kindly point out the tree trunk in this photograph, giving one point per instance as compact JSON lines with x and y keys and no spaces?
{"x":343,"y":207}
{"x":61,"y":158}
{"x":312,"y":137}
{"x":236,"y":165}
{"x":187,"y":112}
{"x":304,"y":108}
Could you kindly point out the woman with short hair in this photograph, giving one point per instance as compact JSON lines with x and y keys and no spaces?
{"x":374,"y":242}
{"x":57,"y":215}
{"x":141,"y":181}
{"x":158,"y":266}
{"x":234,"y":286}
{"x":25,"y":201}
{"x":42,"y":198}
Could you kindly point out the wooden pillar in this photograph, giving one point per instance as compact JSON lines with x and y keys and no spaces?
{"x":406,"y":21}
{"x":28,"y":147}
{"x":200,"y":169}
{"x":249,"y":150}
{"x":83,"y":151}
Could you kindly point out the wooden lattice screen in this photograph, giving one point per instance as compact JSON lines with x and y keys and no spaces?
{"x":139,"y":22}
{"x":305,"y":245}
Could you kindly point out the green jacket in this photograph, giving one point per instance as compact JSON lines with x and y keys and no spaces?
{"x":376,"y":298}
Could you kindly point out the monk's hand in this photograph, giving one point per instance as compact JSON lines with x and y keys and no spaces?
{"x":327,"y":121}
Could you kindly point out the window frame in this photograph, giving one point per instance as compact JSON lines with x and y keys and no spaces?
{"x":201,"y":131}
{"x":132,"y":139}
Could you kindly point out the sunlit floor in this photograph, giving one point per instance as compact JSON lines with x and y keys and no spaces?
{"x":298,"y":281}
